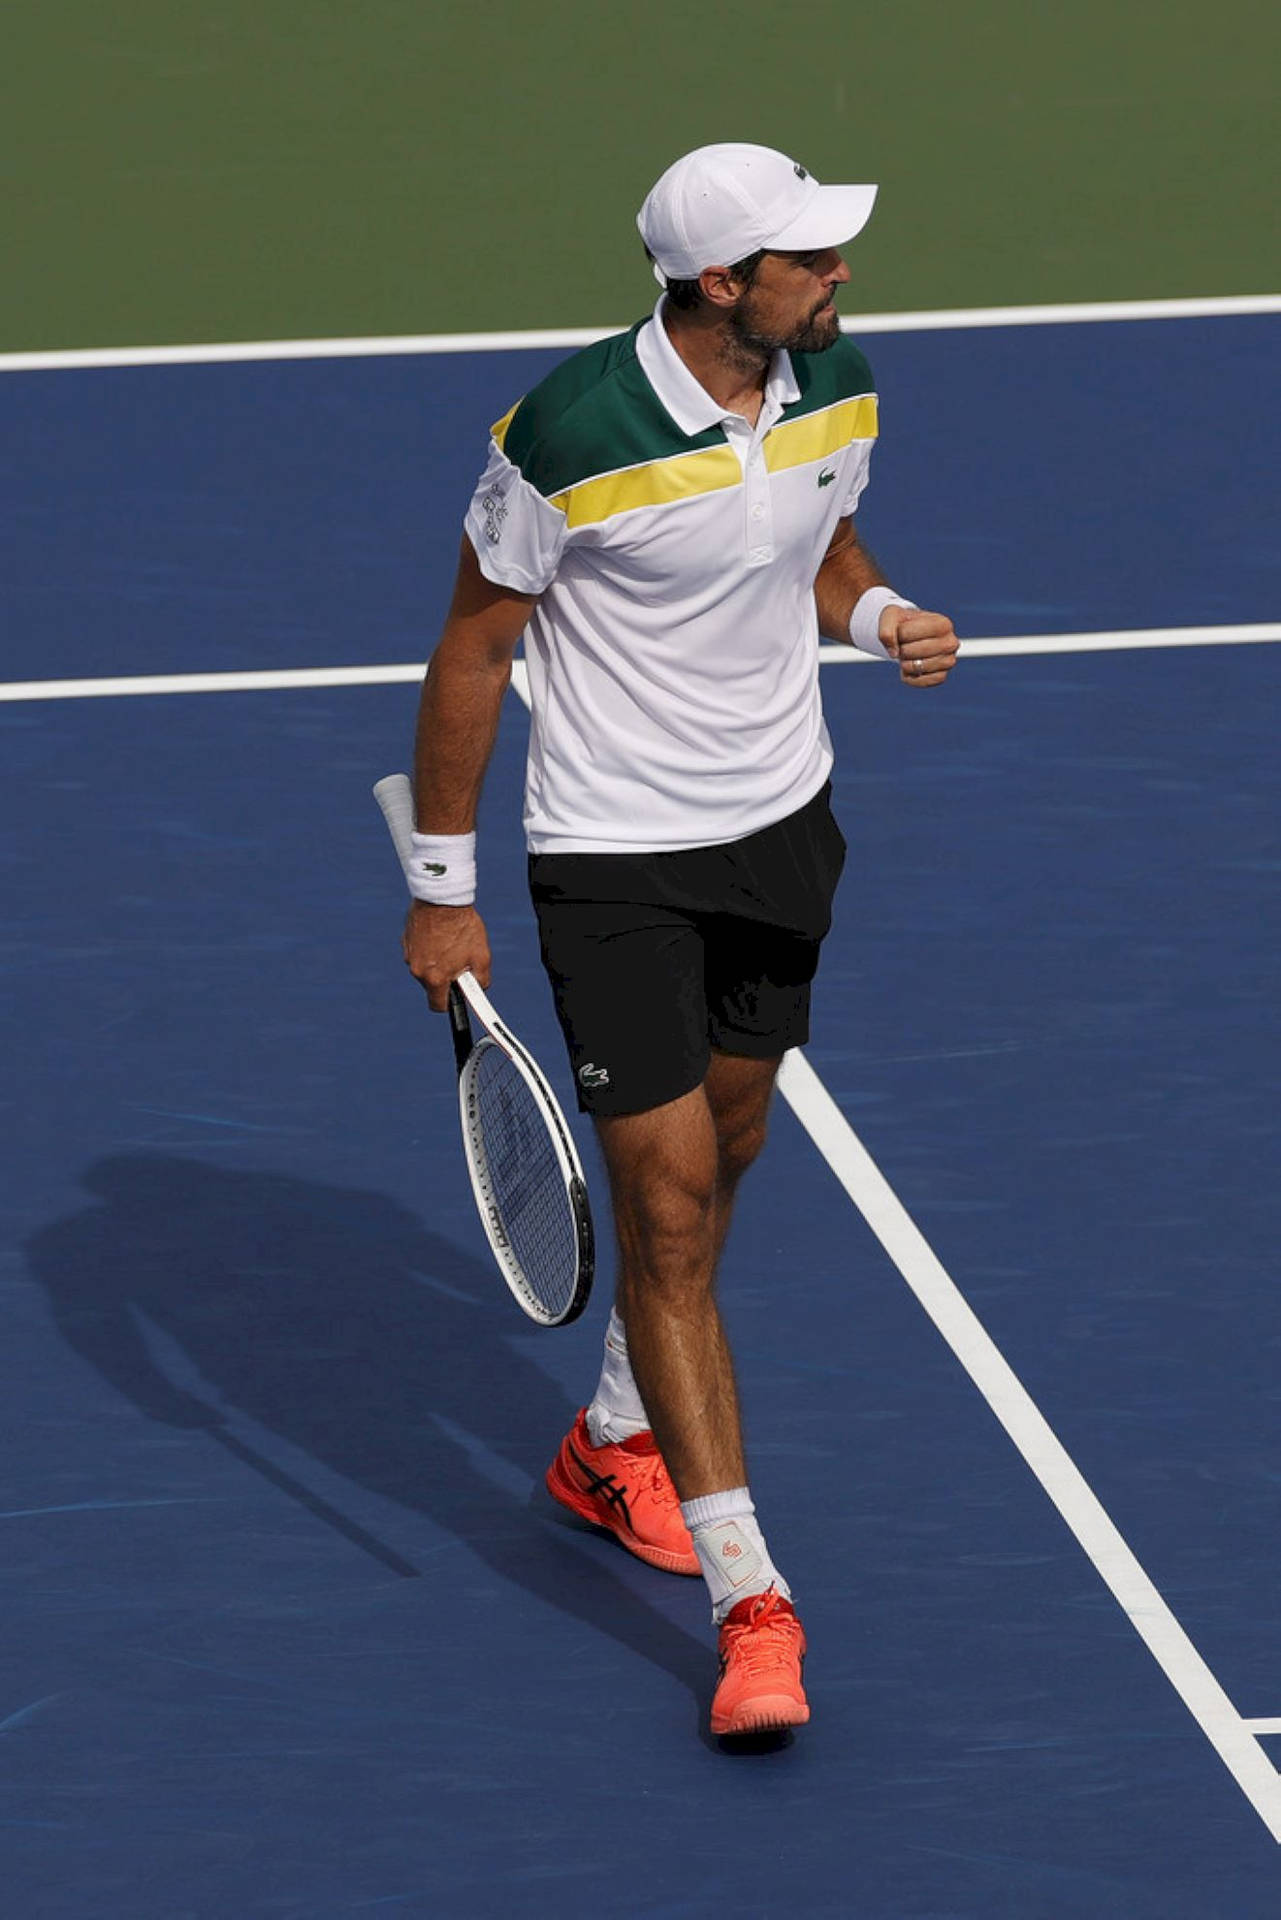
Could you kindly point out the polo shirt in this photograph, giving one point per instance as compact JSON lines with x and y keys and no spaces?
{"x":673,"y":652}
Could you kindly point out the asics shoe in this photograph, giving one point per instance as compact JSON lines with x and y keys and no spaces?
{"x":626,"y":1489}
{"x":762,"y":1651}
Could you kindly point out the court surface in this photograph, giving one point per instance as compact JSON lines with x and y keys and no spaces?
{"x":290,"y":1628}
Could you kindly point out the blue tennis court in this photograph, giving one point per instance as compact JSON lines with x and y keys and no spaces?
{"x":290,"y":1628}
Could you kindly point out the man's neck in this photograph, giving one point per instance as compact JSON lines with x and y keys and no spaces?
{"x":734,"y":379}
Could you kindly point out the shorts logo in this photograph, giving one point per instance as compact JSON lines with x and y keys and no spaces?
{"x":494,"y":508}
{"x":590,"y":1075}
{"x":826,"y":479}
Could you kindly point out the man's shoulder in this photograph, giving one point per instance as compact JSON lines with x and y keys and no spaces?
{"x":594,"y":413}
{"x":825,"y":379}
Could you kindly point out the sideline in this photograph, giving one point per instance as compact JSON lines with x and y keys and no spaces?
{"x":1233,"y":1738}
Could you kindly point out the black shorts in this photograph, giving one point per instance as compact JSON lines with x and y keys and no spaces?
{"x":657,"y":958}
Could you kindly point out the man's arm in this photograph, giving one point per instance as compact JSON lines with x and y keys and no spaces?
{"x":923,"y":643}
{"x":457,"y":723}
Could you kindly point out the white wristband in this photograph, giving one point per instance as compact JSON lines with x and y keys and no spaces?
{"x":865,"y":620}
{"x":442,"y":869}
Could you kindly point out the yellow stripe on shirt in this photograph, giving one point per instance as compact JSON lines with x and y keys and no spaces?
{"x":817,"y":436}
{"x":659,"y":483}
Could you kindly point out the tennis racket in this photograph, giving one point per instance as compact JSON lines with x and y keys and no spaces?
{"x":525,"y":1172}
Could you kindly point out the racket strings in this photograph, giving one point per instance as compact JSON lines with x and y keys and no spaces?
{"x":522,"y":1173}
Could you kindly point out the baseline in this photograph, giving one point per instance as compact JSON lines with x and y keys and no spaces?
{"x":1210,"y":306}
{"x":406,"y":672}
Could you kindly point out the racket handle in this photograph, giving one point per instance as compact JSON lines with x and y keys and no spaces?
{"x":460,"y":1026}
{"x":396,"y":798}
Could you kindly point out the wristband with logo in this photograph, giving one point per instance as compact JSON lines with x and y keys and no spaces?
{"x":441,"y":869}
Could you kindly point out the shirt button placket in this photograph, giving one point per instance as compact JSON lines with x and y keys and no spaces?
{"x":759,"y":546}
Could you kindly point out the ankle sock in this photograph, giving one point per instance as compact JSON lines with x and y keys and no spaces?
{"x":616,"y":1412}
{"x":731,"y":1549}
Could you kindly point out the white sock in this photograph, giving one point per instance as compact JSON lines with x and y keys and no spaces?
{"x":731,"y":1549}
{"x":616,"y":1413}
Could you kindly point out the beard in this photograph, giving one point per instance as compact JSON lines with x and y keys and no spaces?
{"x":749,"y":345}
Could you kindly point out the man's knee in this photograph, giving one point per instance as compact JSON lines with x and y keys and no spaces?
{"x":740,"y":1094}
{"x":667,"y":1204}
{"x":739,"y":1141}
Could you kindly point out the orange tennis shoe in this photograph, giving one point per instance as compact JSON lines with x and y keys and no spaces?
{"x":626,"y":1489}
{"x":762,"y":1653}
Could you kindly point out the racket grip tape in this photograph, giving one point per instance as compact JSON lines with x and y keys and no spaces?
{"x":395,"y":796}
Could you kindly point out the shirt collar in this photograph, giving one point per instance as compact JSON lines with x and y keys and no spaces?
{"x":691,"y":406}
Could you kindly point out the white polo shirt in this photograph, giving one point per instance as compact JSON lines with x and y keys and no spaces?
{"x":673,"y":653}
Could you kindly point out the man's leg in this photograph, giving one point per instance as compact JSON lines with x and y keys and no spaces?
{"x":673,"y":1174}
{"x":609,"y":1468}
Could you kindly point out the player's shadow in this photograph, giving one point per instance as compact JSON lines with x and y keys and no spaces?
{"x":332,"y":1318}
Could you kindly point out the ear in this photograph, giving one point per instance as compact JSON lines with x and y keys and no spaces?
{"x":719,"y":286}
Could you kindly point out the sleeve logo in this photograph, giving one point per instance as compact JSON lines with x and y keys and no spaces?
{"x":494,"y":508}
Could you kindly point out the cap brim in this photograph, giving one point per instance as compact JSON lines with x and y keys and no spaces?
{"x":830,"y":217}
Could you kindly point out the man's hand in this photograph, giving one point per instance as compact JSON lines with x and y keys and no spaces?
{"x":442,"y":942}
{"x":923,"y":644}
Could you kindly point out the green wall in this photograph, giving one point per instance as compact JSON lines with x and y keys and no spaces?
{"x":179,"y":172}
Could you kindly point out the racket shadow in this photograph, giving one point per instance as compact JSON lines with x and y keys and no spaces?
{"x":333,"y":1319}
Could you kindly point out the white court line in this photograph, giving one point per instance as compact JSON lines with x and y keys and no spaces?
{"x":401,"y":672}
{"x":832,"y":653}
{"x":1232,"y":1738}
{"x":255,"y":681}
{"x":1213,"y":306}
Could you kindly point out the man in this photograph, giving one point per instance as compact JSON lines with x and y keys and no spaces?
{"x":667,"y":519}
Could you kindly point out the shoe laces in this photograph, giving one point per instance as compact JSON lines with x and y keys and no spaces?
{"x":767,"y":1630}
{"x":649,"y":1471}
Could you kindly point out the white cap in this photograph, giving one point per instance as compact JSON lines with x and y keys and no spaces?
{"x":718,"y":204}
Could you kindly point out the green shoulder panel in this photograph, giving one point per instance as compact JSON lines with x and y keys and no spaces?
{"x":825,"y":379}
{"x":594,"y":413}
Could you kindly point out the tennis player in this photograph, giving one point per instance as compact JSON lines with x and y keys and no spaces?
{"x":667,"y":519}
